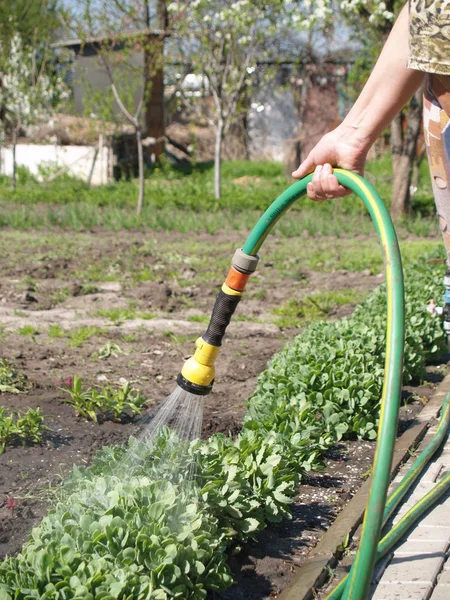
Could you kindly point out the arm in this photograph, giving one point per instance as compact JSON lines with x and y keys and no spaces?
{"x":389,"y":87}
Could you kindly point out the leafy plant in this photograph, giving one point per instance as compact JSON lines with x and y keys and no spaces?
{"x":21,"y":427}
{"x":154,"y":519}
{"x":105,"y":403}
{"x":107,"y":350}
{"x":11,"y":380}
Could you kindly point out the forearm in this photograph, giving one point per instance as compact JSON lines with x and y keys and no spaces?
{"x":389,"y":87}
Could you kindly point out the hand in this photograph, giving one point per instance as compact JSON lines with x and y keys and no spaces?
{"x":341,"y":147}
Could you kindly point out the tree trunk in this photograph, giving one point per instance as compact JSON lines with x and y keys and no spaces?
{"x":218,"y":160}
{"x":141,"y":170}
{"x":405,"y":132}
{"x":14,"y":143}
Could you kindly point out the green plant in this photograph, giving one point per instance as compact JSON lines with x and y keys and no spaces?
{"x":28,"y":330}
{"x":107,"y":350}
{"x":55,"y":331}
{"x":82,"y":334}
{"x":25,"y":427}
{"x":11,"y":380}
{"x":136,"y":524}
{"x":106,"y":403}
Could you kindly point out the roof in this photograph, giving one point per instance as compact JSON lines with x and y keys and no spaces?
{"x":93,"y":42}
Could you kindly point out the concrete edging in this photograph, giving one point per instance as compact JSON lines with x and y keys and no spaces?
{"x":313,"y":573}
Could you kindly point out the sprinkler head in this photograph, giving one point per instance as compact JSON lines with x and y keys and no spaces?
{"x":198,"y":372}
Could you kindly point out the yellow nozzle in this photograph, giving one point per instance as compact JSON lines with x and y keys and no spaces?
{"x":199,"y":369}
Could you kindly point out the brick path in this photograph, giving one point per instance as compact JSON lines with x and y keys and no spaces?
{"x":419,"y":568}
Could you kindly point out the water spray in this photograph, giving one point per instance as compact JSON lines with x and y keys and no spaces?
{"x":198,"y":372}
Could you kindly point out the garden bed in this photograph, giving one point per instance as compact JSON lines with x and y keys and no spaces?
{"x":151,"y":304}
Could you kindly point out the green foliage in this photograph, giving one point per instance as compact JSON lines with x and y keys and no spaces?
{"x":24,"y":427}
{"x":154,"y":519}
{"x":329,"y":379}
{"x":28,"y":329}
{"x":107,"y":350}
{"x":11,"y":380}
{"x":182,"y":199}
{"x":82,"y":334}
{"x":107,"y":403}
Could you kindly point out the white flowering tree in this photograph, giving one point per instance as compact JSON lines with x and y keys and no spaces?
{"x":122,"y":30}
{"x":29,"y":91}
{"x":223,"y":41}
{"x":372,"y":21}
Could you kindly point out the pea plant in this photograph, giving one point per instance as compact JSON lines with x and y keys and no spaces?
{"x":106,"y":403}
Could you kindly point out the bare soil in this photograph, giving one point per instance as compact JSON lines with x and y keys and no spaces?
{"x":41,"y":287}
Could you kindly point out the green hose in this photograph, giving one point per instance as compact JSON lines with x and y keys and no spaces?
{"x":394,"y":499}
{"x":360,"y":576}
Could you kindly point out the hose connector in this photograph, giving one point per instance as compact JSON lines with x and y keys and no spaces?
{"x":198,"y":372}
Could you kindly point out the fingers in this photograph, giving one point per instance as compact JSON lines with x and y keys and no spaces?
{"x":325,"y":185}
{"x":305,"y":168}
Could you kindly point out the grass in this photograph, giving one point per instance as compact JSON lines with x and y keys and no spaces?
{"x":30,"y":330}
{"x":80,"y":335}
{"x":117,"y":315}
{"x":183,"y":200}
{"x":56,"y":331}
{"x":295,"y":313}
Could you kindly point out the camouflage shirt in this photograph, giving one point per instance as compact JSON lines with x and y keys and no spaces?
{"x":429,"y":27}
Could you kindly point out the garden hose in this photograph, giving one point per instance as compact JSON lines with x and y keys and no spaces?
{"x":403,"y":487}
{"x":197,"y":375}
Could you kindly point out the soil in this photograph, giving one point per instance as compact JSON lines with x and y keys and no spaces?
{"x":39,"y":288}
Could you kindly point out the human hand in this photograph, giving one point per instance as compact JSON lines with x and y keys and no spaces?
{"x":341,"y":147}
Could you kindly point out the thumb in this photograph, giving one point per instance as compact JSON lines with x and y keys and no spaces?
{"x":305,"y":168}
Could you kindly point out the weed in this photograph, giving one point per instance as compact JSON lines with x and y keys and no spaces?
{"x":108,"y":350}
{"x":315,"y":306}
{"x":179,"y":338}
{"x":82,"y":334}
{"x":56,"y":331}
{"x":89,"y":288}
{"x":117,"y":315}
{"x":59,"y":296}
{"x":130,"y":337}
{"x":28,"y":330}
{"x":198,"y":318}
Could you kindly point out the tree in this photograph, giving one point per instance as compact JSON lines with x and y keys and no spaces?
{"x":119,"y":30}
{"x":223,"y":42}
{"x":377,"y":17}
{"x":30,"y":90}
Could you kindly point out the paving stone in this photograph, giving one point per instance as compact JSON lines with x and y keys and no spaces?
{"x":444,"y":578}
{"x":411,"y":546}
{"x":439,"y":516}
{"x":441,"y":592}
{"x":431,"y":473}
{"x":401,"y":591}
{"x":428,"y":534}
{"x":414,"y":568}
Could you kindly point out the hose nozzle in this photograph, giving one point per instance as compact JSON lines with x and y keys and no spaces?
{"x":198,"y":372}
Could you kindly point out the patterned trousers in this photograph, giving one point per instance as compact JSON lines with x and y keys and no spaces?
{"x":436,"y":119}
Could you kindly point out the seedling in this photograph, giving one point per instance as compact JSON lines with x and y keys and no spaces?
{"x":106,"y":403}
{"x":11,"y":380}
{"x":21,"y":427}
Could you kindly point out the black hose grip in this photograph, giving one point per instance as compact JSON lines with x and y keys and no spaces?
{"x":223,"y":310}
